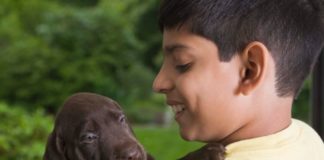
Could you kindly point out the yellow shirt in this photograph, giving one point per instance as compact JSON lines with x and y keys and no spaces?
{"x":297,"y":142}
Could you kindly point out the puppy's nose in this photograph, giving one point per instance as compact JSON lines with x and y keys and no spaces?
{"x":131,"y":153}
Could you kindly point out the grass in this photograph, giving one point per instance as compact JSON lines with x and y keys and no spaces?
{"x":164,"y":143}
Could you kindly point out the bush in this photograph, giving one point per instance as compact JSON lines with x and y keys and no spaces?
{"x":23,"y":135}
{"x":164,"y":143}
{"x":50,"y":50}
{"x":302,"y":104}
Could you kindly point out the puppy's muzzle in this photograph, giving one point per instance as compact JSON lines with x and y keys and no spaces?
{"x":129,"y":152}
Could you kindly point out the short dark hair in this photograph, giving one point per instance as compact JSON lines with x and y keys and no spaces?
{"x":291,"y":29}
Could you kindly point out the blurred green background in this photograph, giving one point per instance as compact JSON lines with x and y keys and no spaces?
{"x":50,"y":49}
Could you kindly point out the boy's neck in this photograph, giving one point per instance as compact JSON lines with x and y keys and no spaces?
{"x":273,"y":118}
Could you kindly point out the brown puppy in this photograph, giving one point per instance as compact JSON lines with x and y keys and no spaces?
{"x":212,"y":151}
{"x":92,"y":127}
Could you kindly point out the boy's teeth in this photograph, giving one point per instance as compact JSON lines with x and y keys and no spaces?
{"x":177,"y":108}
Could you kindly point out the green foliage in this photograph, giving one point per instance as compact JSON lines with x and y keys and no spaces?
{"x":22,"y":134}
{"x":301,"y":107}
{"x":164,"y":143}
{"x":79,"y":3}
{"x":147,"y":112}
{"x":50,"y":50}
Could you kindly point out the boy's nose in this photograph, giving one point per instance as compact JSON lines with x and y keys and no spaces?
{"x":162,"y":82}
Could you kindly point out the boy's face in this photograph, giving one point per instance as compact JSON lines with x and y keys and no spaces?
{"x":200,"y":88}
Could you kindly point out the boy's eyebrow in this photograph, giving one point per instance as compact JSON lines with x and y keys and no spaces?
{"x":169,"y":49}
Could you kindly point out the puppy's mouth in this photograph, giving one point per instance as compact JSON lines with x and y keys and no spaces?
{"x":178,"y":109}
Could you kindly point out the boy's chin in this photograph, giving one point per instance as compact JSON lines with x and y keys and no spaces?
{"x":187,"y":135}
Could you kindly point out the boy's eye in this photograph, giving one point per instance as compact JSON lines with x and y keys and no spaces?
{"x":183,"y":67}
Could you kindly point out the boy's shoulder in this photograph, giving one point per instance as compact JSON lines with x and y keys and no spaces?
{"x":297,"y":142}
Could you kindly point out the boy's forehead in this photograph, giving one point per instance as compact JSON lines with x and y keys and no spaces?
{"x":175,"y":39}
{"x":171,"y":48}
{"x":182,"y":39}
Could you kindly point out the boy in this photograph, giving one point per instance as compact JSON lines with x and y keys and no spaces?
{"x":232,"y":68}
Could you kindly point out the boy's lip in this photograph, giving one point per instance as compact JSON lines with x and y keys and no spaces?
{"x":173,"y":102}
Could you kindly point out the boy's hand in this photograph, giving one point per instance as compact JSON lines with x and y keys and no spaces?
{"x":212,"y":151}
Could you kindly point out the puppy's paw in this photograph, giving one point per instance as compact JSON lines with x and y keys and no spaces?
{"x":216,"y":151}
{"x":212,"y":151}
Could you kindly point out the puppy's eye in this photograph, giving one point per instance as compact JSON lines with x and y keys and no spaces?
{"x":122,"y":119}
{"x":88,"y":137}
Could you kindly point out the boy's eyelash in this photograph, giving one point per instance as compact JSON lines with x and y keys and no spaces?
{"x":183,"y":67}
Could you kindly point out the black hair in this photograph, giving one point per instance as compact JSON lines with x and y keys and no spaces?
{"x":292,"y":30}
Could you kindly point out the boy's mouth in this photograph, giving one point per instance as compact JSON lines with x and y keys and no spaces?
{"x":177,"y":109}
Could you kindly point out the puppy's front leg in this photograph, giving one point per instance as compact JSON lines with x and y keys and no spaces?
{"x":212,"y":151}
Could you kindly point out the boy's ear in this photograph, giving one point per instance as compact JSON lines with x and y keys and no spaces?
{"x":252,"y":73}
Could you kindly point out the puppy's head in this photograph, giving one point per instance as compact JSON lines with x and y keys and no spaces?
{"x":91,"y":126}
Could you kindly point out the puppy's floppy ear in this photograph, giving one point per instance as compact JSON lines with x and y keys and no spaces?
{"x":55,"y":147}
{"x":149,"y":157}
